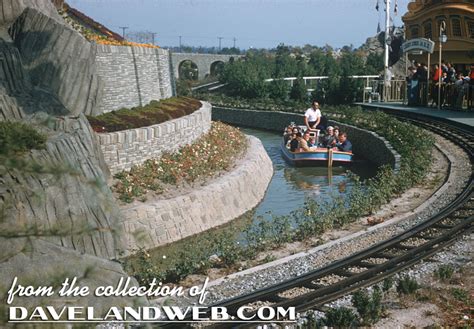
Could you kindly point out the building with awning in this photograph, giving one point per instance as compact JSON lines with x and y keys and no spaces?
{"x":424,"y":19}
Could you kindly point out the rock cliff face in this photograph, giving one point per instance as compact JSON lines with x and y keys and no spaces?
{"x":58,"y":59}
{"x":79,"y":199}
{"x":58,"y":217}
{"x":11,"y":9}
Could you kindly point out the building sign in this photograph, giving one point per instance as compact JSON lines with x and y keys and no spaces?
{"x":420,"y":44}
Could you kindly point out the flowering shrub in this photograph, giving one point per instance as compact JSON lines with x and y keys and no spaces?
{"x":214,"y":152}
{"x":141,"y":116}
{"x":94,"y":31}
{"x":106,"y":40}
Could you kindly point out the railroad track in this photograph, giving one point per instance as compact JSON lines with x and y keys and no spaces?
{"x":367,"y":267}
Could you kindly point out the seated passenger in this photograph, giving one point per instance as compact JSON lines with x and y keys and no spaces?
{"x":312,"y":141}
{"x":294,"y":142}
{"x":344,"y":144}
{"x":304,"y":142}
{"x":336,"y":131}
{"x":287,"y":133}
{"x":329,"y":140}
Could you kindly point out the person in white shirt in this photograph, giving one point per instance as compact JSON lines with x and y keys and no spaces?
{"x":312,"y":116}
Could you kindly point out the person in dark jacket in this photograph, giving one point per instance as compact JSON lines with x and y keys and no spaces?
{"x":344,"y":144}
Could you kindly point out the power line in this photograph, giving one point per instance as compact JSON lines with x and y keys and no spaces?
{"x":153,"y":37}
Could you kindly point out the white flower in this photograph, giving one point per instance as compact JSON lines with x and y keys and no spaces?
{"x":164,"y":256}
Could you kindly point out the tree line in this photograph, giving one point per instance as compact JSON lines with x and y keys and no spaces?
{"x":246,"y":77}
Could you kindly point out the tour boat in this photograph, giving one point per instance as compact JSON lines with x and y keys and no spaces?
{"x":317,"y":157}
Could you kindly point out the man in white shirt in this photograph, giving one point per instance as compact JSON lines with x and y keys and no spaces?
{"x":312,"y":116}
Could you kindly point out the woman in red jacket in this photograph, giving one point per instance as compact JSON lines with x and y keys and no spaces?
{"x":435,"y":79}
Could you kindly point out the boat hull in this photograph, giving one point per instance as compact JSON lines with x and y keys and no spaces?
{"x":319,"y":157}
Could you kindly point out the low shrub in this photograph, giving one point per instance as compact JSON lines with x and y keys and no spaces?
{"x":17,"y":138}
{"x":387,"y":284}
{"x":444,"y":272}
{"x":340,"y":317}
{"x":153,"y":113}
{"x":369,"y":306}
{"x":407,"y":285}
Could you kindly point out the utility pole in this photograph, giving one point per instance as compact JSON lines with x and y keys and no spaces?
{"x":180,"y":43}
{"x":153,"y":38}
{"x":386,"y":81}
{"x":442,"y":39}
{"x":220,"y":38}
{"x":123,"y":30}
{"x":234,"y":41}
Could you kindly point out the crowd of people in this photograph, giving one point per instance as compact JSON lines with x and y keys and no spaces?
{"x":456,"y":88}
{"x":305,"y":139}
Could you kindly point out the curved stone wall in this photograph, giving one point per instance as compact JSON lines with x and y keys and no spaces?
{"x":126,"y":148}
{"x":222,"y":200}
{"x":365,"y":143}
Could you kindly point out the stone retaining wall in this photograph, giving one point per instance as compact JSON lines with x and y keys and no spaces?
{"x":123,"y":149}
{"x":222,"y":200}
{"x":132,"y":76}
{"x":365,"y":143}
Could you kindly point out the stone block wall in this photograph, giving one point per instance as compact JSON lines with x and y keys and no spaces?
{"x":365,"y":143}
{"x":132,"y":76}
{"x":123,"y":149}
{"x":222,"y":200}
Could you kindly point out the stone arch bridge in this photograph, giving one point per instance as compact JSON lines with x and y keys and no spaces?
{"x":205,"y":62}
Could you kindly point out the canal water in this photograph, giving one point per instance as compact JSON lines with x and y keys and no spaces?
{"x":288,"y":190}
{"x":290,"y":186}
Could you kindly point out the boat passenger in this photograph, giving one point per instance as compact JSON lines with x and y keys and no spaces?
{"x":312,"y":141}
{"x":294,"y":142}
{"x":312,"y":116}
{"x":344,"y":144}
{"x":303,"y":141}
{"x":336,"y":131}
{"x":287,"y":134}
{"x":329,"y":140}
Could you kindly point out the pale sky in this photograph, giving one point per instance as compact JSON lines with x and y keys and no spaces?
{"x":254,"y":23}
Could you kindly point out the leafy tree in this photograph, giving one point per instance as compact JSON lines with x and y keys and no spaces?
{"x":374,"y":63}
{"x":279,"y":89}
{"x":298,"y":91}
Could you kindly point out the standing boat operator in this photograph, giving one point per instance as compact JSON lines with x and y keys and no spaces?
{"x":312,"y":117}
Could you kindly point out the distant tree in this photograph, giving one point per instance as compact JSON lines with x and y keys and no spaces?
{"x":374,"y":63}
{"x":279,"y":89}
{"x":298,"y":91}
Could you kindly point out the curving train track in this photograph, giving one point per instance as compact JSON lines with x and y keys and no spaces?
{"x":379,"y":261}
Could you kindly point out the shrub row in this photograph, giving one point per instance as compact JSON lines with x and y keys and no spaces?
{"x":141,"y":116}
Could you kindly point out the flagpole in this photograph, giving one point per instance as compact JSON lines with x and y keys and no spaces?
{"x":387,"y":34}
